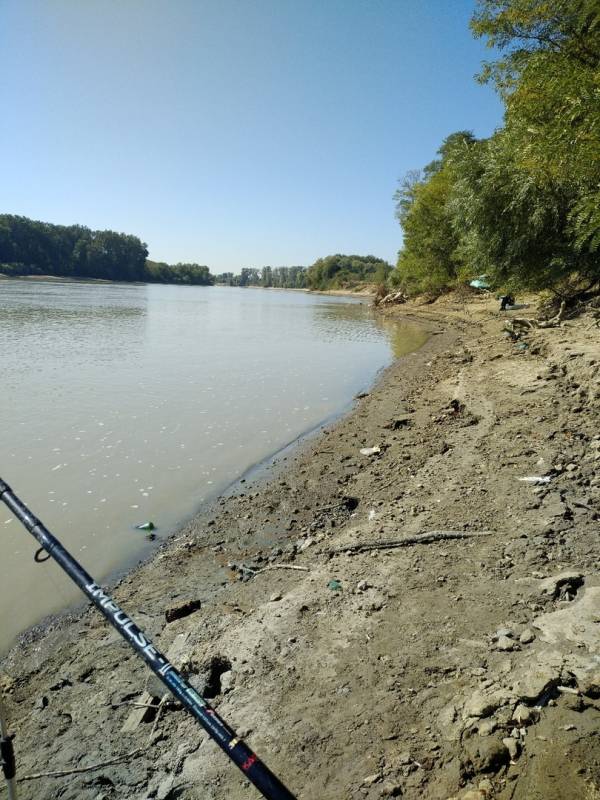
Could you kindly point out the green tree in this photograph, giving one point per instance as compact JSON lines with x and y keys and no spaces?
{"x":548,"y":74}
{"x":430,"y":258}
{"x":343,"y":272}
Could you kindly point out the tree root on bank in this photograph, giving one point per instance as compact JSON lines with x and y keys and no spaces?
{"x":421,"y":538}
{"x":525,"y":322}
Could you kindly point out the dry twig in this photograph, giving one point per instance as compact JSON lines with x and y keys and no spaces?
{"x":421,"y":538}
{"x":61,"y":773}
{"x":277,"y":566}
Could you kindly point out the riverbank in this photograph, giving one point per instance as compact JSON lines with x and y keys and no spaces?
{"x":427,"y":671}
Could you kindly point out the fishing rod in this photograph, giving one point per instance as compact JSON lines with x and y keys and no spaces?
{"x":238,"y":751}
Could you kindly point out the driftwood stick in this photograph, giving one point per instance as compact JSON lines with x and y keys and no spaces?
{"x":131,"y":703}
{"x":279,"y":566}
{"x":329,"y":508}
{"x":61,"y":773}
{"x":163,"y":700}
{"x":421,"y":538}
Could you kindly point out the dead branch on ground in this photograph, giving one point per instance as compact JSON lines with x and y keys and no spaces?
{"x":421,"y":538}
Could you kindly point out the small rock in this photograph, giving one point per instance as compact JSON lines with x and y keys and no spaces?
{"x":370,"y":451}
{"x":512,"y":745}
{"x":371,"y":779}
{"x":527,"y":636}
{"x":503,"y":632}
{"x":447,"y":715}
{"x":182,"y":610}
{"x":390,"y":789}
{"x":525,"y":715}
{"x":165,"y":787}
{"x":480,"y":705}
{"x":573,"y":702}
{"x":505,"y":644}
{"x":557,"y":585}
{"x":486,"y":755}
{"x":487,"y":727}
{"x":227,"y":680}
{"x":486,"y":787}
{"x":275,"y":598}
{"x":362,"y":586}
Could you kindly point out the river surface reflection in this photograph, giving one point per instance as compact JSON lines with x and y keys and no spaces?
{"x":126,"y":403}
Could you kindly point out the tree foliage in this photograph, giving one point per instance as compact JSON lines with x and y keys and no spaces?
{"x":29,"y":247}
{"x":549,"y":77}
{"x":429,"y":259}
{"x":343,"y":272}
{"x":276,"y":277}
{"x":524,"y":205}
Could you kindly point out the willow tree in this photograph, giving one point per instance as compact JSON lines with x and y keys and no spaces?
{"x":548,"y":74}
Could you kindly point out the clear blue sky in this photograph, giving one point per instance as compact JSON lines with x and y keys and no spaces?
{"x":232,"y":132}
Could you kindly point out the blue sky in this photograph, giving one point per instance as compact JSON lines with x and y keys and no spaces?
{"x":232,"y":132}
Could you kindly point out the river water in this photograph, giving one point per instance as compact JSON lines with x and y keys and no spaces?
{"x":126,"y":403}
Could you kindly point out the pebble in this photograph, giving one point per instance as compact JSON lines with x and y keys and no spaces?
{"x":527,"y":636}
{"x":371,"y":779}
{"x":275,"y":598}
{"x":226,"y":681}
{"x":524,"y":715}
{"x":486,"y":755}
{"x":390,"y":790}
{"x":512,"y":746}
{"x":487,"y":727}
{"x":505,"y":644}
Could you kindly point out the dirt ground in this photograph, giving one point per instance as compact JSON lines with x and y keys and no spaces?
{"x":464,"y":667}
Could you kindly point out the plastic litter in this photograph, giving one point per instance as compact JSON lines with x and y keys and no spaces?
{"x":335,"y":585}
{"x":480,"y":283}
{"x":370,"y":451}
{"x":537,"y":479}
{"x":145,"y":526}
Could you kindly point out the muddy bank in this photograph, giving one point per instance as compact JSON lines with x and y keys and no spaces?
{"x":454,"y":667}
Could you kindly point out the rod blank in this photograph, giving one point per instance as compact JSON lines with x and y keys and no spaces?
{"x":235,"y":748}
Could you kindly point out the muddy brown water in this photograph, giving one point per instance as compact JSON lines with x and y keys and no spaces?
{"x":127,"y":403}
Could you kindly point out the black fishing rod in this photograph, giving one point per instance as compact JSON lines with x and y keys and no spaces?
{"x":237,"y":750}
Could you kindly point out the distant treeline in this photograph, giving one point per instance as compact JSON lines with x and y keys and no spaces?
{"x":332,"y":272}
{"x":346,"y":272}
{"x":29,"y":247}
{"x":523,"y":205}
{"x":276,"y":277}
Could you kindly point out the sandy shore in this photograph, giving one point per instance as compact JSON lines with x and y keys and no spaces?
{"x":460,"y":667}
